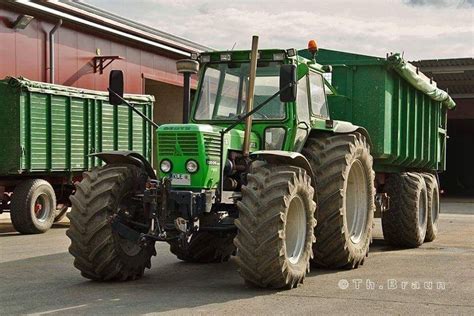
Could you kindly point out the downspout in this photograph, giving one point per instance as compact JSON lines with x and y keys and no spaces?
{"x":51,"y":50}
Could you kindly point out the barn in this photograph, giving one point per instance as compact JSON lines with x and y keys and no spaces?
{"x":75,"y":44}
{"x":456,"y":75}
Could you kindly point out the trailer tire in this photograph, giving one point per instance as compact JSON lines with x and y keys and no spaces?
{"x":342,"y":167}
{"x":432,"y":189}
{"x":275,"y":226}
{"x":404,"y":223}
{"x":99,"y":251}
{"x":204,"y":247}
{"x":32,"y":206}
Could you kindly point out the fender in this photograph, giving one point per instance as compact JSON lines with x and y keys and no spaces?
{"x":342,"y":127}
{"x":126,"y":157}
{"x":285,"y":157}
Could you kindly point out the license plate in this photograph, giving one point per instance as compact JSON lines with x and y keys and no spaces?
{"x":180,"y":179}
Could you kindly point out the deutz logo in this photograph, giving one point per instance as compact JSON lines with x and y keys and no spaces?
{"x":177,"y":150}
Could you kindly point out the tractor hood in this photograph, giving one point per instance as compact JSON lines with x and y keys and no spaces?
{"x":180,"y":143}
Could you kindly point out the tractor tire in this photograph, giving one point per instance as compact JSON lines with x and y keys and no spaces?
{"x":100,"y":253}
{"x":404,"y":223}
{"x":275,"y":226}
{"x":204,"y":247}
{"x":432,"y":189}
{"x":33,"y":206}
{"x":342,"y":167}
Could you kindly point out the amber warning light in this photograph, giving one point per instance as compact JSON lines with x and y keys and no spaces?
{"x":312,"y":47}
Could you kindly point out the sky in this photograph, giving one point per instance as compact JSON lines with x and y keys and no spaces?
{"x":421,"y":29}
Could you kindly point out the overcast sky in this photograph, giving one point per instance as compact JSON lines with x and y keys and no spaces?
{"x":422,"y":29}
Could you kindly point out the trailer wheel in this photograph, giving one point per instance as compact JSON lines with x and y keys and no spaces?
{"x":432,"y":189}
{"x":275,"y":226}
{"x":32,"y":206}
{"x":342,"y":166}
{"x":100,"y":253}
{"x":404,"y":224}
{"x":204,"y":247}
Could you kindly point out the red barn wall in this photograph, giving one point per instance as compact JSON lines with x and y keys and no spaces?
{"x":26,"y":53}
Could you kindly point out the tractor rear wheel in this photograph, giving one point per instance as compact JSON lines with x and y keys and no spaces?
{"x":275,"y":226}
{"x":404,"y":223}
{"x":204,"y":247}
{"x":100,"y":253}
{"x":342,"y":166}
{"x":432,"y":189}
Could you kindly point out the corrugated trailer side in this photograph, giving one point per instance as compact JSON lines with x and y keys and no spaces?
{"x":407,"y":128}
{"x":48,"y":131}
{"x":54,"y":128}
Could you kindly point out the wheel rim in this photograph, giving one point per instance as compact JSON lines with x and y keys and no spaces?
{"x":295,"y":230}
{"x":422,"y":210}
{"x":357,"y":202}
{"x":42,"y":207}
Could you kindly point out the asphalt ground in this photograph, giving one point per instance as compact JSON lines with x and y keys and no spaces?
{"x":37,"y":277}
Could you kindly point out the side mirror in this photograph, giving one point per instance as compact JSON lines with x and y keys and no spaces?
{"x":287,"y":77}
{"x":116,"y":85}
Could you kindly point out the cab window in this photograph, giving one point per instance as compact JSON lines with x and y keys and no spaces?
{"x":318,"y":95}
{"x":302,"y":105}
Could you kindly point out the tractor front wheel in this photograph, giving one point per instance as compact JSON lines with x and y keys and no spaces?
{"x":275,"y":226}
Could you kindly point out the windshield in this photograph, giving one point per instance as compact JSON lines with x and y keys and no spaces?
{"x":223,"y":93}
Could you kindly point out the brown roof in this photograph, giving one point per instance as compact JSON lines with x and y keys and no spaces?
{"x":456,"y":75}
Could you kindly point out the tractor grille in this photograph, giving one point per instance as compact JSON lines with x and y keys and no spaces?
{"x":178,"y":144}
{"x":212,"y":144}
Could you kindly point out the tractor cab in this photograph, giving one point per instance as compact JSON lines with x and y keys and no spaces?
{"x":288,"y":100}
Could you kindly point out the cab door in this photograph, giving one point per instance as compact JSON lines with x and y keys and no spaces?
{"x":303,"y":114}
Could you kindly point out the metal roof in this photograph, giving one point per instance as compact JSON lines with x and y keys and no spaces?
{"x":89,"y":16}
{"x":456,"y":75}
{"x":135,"y":26}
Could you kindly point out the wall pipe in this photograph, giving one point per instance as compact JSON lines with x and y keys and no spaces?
{"x":51,"y":50}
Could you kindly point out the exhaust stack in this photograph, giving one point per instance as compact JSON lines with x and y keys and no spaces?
{"x":250,"y":95}
{"x":187,"y":67}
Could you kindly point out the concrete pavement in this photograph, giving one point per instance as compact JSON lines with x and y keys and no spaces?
{"x":37,"y":277}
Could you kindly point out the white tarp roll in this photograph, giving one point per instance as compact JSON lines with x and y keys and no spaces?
{"x":408,"y":71}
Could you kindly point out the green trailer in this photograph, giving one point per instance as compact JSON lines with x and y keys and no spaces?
{"x":47,"y":133}
{"x":407,"y":126}
{"x":276,"y":166}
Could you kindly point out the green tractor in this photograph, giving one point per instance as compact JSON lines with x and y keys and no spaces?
{"x":260,"y":171}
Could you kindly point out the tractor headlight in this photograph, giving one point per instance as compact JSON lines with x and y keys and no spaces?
{"x":165,"y":166}
{"x":192,"y":166}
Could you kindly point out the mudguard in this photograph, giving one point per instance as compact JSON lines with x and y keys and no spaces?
{"x":285,"y":157}
{"x":342,"y":127}
{"x":126,"y":157}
